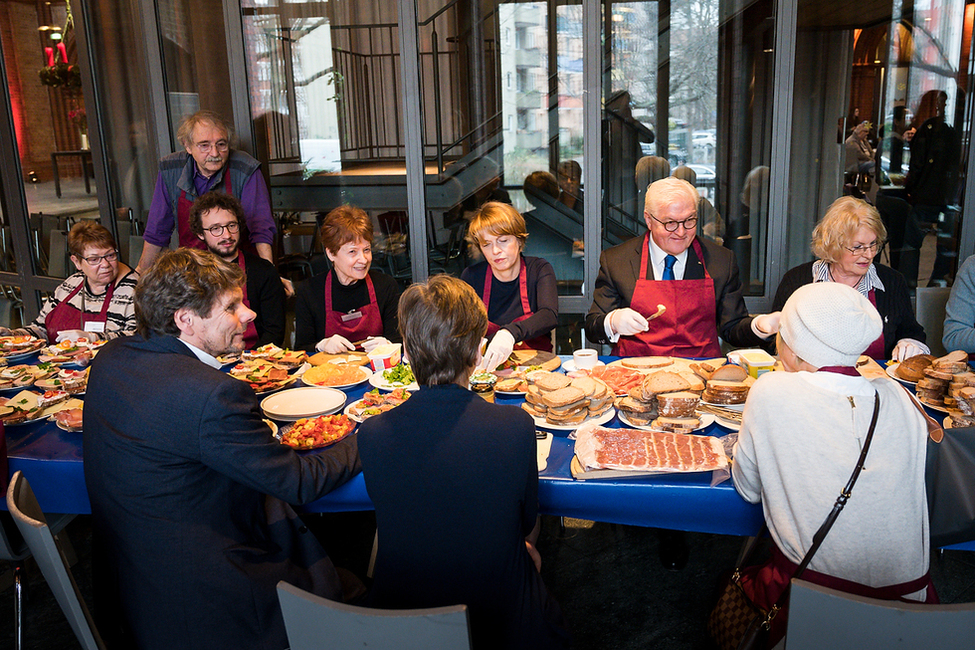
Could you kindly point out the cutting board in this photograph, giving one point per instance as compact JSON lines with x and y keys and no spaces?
{"x":358,"y":358}
{"x":546,"y":360}
{"x":870,"y":369}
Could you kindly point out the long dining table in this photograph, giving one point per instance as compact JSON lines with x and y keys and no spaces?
{"x":52,"y":460}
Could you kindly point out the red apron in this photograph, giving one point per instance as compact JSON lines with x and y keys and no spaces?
{"x":187,"y":238}
{"x":543,"y":342}
{"x":877,"y":349}
{"x":250,"y":334}
{"x":68,"y":317}
{"x":687,"y":329}
{"x":763,"y":584}
{"x":356,"y":325}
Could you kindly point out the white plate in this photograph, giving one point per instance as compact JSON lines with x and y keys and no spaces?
{"x":367,"y":373}
{"x":602,"y":419}
{"x":228,"y":359}
{"x":730,"y":407}
{"x":893,"y":375}
{"x":306,"y":402}
{"x":570,"y":365}
{"x":378,"y":381}
{"x":727,"y":424}
{"x":17,"y":357}
{"x":706,"y":420}
{"x":942,"y":409}
{"x":68,"y":429}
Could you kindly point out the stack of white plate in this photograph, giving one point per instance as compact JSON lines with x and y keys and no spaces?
{"x":308,"y":402}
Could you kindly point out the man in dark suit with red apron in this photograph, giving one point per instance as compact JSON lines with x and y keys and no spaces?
{"x":669,"y":293}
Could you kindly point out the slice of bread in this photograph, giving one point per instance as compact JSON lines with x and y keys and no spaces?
{"x":729,"y":372}
{"x":562,"y":396}
{"x":631,"y":405}
{"x":585,"y":384}
{"x":676,"y":425}
{"x":551,"y":381}
{"x":647,"y":363}
{"x":664,"y":382}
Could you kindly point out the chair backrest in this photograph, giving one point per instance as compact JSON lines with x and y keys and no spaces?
{"x":820,"y":617}
{"x":46,"y":550}
{"x":315,"y":623}
{"x":930,"y":311}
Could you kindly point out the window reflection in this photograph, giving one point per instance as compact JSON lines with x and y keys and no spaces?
{"x":689,"y":94}
{"x":899,"y":125}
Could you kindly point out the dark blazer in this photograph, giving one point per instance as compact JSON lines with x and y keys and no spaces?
{"x":177,"y":465}
{"x":894,"y":304}
{"x":619,"y":268}
{"x":310,"y":308}
{"x":266,"y":296}
{"x":455,"y":483}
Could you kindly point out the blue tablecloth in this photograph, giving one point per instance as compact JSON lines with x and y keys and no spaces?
{"x":51,"y":460}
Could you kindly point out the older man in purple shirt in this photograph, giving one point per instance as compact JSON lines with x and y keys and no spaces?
{"x":208,"y":164}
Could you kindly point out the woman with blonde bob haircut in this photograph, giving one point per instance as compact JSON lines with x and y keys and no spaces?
{"x":519,"y":292}
{"x":845,"y":242}
{"x":454,"y":529}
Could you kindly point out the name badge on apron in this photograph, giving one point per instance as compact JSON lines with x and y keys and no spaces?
{"x":95,"y":326}
{"x":352,"y":315}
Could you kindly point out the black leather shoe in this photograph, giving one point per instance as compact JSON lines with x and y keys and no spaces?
{"x":673,"y":549}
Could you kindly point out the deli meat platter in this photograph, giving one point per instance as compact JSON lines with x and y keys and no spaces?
{"x":605,"y":453}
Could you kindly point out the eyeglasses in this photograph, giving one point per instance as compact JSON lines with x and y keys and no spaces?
{"x":95,"y":260}
{"x":217,"y":230}
{"x":671,"y":226}
{"x":219,"y":145}
{"x":868,"y":249}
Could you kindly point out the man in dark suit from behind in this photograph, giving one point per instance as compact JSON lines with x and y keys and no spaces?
{"x":188,"y":488}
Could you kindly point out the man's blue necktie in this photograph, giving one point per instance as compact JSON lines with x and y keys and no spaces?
{"x":669,"y":262}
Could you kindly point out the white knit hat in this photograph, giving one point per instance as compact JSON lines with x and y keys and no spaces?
{"x":829,"y":324}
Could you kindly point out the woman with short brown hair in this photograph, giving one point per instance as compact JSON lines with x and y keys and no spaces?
{"x":520,"y":292}
{"x":96,"y":302}
{"x":352,"y":302}
{"x":453,"y":528}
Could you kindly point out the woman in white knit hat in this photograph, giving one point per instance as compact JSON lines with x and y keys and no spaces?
{"x":801,"y":436}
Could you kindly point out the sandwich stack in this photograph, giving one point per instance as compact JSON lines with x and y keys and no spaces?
{"x":932,"y":388}
{"x":963,"y":415}
{"x":640,"y":406}
{"x":565,"y":401}
{"x":677,"y":412}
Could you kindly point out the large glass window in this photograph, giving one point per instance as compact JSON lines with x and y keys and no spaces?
{"x":119,"y":51}
{"x":327,"y":105}
{"x":882,"y":112}
{"x":688,"y":92}
{"x":51,"y":125}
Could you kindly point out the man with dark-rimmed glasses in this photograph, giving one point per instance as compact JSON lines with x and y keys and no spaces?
{"x":668,"y":292}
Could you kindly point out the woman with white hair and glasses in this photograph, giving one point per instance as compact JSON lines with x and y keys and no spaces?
{"x":845,"y":243}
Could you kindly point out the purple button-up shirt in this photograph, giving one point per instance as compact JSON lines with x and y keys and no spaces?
{"x":253,"y":197}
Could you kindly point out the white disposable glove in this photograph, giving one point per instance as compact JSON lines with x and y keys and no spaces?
{"x":498,"y":350}
{"x":907,"y":348}
{"x":627,"y":322}
{"x":336,"y":344}
{"x":373,"y":342}
{"x":73,"y":335}
{"x":766,"y":325}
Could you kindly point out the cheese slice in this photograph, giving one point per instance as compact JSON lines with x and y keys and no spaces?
{"x":25,"y":400}
{"x":73,"y":403}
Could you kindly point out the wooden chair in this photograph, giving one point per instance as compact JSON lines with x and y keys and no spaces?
{"x":46,"y":549}
{"x":820,"y":617}
{"x":315,"y":623}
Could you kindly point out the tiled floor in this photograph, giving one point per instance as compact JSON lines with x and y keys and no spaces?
{"x":607,"y":578}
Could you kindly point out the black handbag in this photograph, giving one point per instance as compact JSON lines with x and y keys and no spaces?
{"x":736,"y":623}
